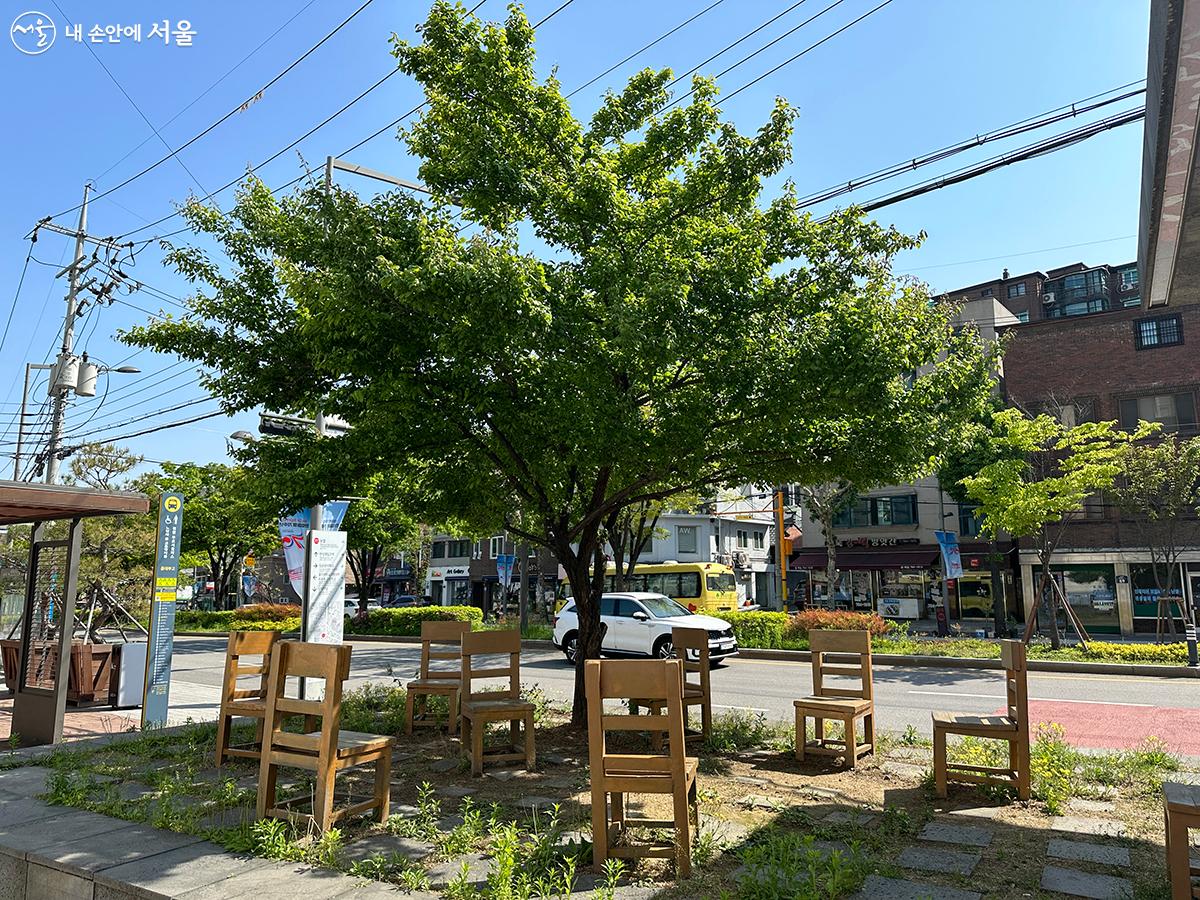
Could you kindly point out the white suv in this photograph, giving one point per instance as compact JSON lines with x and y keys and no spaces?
{"x":639,"y":623}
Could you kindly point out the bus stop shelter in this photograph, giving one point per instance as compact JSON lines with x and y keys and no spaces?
{"x":48,"y":615}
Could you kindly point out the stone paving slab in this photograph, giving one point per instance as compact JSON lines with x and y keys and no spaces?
{"x":1091,"y":807}
{"x":27,"y":809}
{"x":443,"y":873}
{"x":278,"y":881}
{"x":386,"y":845}
{"x":879,"y":888}
{"x":903,"y":769}
{"x":1087,"y":852}
{"x":937,"y":859}
{"x":25,"y":781}
{"x":1081,"y":825}
{"x":108,"y":849}
{"x":966,"y":835}
{"x":20,"y":838}
{"x":1085,"y":884}
{"x":457,"y":791}
{"x":976,"y":812}
{"x":163,"y":875}
{"x":849,"y":817}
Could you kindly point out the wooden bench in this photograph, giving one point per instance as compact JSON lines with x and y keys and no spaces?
{"x":1181,"y":810}
{"x":479,"y":707}
{"x":847,"y":654}
{"x":250,"y":703}
{"x":325,"y":751}
{"x":437,"y":681}
{"x":695,"y":693}
{"x":1012,"y":727}
{"x":616,"y":774}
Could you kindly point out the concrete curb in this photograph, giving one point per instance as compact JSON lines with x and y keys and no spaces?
{"x":882,"y":659}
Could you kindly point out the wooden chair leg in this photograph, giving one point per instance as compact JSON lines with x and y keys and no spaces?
{"x":939,"y":761}
{"x":819,"y":731}
{"x":1023,"y":767}
{"x":514,"y":734}
{"x":683,"y":839}
{"x":409,"y":711}
{"x":869,"y":729}
{"x":801,"y":734}
{"x":1178,"y":863}
{"x":323,"y":798}
{"x":618,"y":808}
{"x":706,"y":718}
{"x":267,"y":776}
{"x":599,"y":829}
{"x":452,"y":704}
{"x":850,"y":741}
{"x":530,"y":748}
{"x":383,"y":785}
{"x":478,"y":730}
{"x":223,"y":724}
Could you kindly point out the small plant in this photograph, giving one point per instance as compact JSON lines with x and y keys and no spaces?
{"x":607,"y":889}
{"x":738,"y":730}
{"x":461,"y":888}
{"x":414,"y":878}
{"x":910,"y":738}
{"x":704,"y":848}
{"x":425,"y":826}
{"x":464,"y":837}
{"x":784,"y":864}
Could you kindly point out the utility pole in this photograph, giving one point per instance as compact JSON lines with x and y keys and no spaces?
{"x":29,"y":367}
{"x":59,"y":391}
{"x":780,"y":560}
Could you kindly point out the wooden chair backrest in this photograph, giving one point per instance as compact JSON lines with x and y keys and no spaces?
{"x":845,"y":653}
{"x":491,"y":643}
{"x":1012,"y":656}
{"x":652,"y":679}
{"x":684,"y":640}
{"x":248,"y":643}
{"x":303,"y":660}
{"x":442,"y":641}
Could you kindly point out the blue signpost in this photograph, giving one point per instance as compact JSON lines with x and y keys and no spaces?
{"x":162,"y":611}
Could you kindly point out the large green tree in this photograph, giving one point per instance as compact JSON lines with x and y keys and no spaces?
{"x":223,"y":519}
{"x":378,"y":522}
{"x":1042,"y":474}
{"x":584,"y":316}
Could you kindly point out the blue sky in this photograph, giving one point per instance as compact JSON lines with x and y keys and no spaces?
{"x":914,"y":77}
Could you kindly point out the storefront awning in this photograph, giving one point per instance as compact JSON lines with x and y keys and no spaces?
{"x":868,"y":558}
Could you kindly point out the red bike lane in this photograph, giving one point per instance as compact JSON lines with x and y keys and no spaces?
{"x":1120,"y":726}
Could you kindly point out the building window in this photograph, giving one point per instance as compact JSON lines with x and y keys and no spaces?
{"x":439,"y":550}
{"x":1129,"y":278}
{"x":1176,"y":412}
{"x":1016,"y":290}
{"x":868,"y":512}
{"x":759,"y":540}
{"x":969,"y":522}
{"x":1161,"y":331}
{"x":986,"y":292}
{"x":685,"y":538}
{"x":455,"y":549}
{"x":1023,"y":316}
{"x":743,"y":538}
{"x":1130,"y":302}
{"x":497,"y":547}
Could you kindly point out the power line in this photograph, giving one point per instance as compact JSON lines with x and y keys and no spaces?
{"x":201,"y":418}
{"x":1123,"y":237}
{"x":16,"y":296}
{"x":644,"y":48}
{"x":227,"y":115}
{"x":209,"y":89}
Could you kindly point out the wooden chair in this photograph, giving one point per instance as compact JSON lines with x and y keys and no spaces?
{"x":834,"y":653}
{"x":1181,"y":809}
{"x":479,"y":707}
{"x":325,"y":751}
{"x":616,"y":774}
{"x":695,"y":693}
{"x":1012,"y":727}
{"x":248,"y":702}
{"x":437,"y":681}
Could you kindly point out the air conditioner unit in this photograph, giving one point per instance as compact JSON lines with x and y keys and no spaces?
{"x":1048,"y":297}
{"x":741,"y":559}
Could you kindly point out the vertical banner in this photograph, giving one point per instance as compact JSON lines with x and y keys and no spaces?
{"x":504,"y":568}
{"x":162,"y":611}
{"x":325,"y":587}
{"x":293,"y":528}
{"x":951,"y":558}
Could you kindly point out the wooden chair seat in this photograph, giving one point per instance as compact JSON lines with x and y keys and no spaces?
{"x":479,"y":707}
{"x":659,"y":687}
{"x":691,"y":649}
{"x":1012,"y":727}
{"x":847,"y":654}
{"x":1181,"y":813}
{"x":963,"y":724}
{"x":839,"y":705}
{"x":439,"y":641}
{"x":324,"y":752}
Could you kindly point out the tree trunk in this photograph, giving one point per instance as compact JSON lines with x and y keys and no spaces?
{"x":1050,"y":598}
{"x":586,"y":587}
{"x":831,"y":570}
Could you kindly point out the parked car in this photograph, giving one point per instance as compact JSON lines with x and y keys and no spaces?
{"x":639,"y":623}
{"x":401,"y":600}
{"x":352,"y":605}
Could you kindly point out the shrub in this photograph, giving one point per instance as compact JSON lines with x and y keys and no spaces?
{"x":268,"y":612}
{"x":1135,"y":652}
{"x":757,"y":629}
{"x":407,"y":621}
{"x":799,"y":625}
{"x":275,"y":617}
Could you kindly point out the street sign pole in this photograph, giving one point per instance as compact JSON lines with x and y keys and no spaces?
{"x":156,"y":696}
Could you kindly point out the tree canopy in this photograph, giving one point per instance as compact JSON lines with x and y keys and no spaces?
{"x":666,"y":327}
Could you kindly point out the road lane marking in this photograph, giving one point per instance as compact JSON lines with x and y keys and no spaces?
{"x":748,"y":708}
{"x":1039,"y":699}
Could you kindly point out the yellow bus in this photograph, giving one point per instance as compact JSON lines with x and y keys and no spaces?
{"x":701,"y":587}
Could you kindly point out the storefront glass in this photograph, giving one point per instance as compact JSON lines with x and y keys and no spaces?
{"x":1091,"y":589}
{"x":903,"y":594}
{"x":458,"y":591}
{"x":1145,"y":597}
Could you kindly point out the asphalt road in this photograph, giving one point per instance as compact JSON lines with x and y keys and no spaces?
{"x":1097,"y":710}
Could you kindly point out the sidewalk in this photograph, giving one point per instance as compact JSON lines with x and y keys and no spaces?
{"x":54,"y":851}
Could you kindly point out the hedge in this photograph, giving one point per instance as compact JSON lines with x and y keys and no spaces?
{"x":759,"y":629}
{"x":287,"y":618}
{"x":406,"y":621}
{"x":802,"y":623}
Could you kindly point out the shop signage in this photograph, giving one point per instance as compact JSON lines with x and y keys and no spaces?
{"x":325,"y":587}
{"x":397,"y":571}
{"x":878,"y":542}
{"x":450,"y":572}
{"x":162,"y":610}
{"x":951,"y":559}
